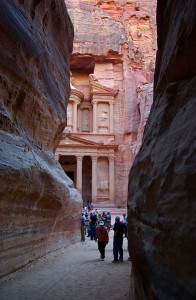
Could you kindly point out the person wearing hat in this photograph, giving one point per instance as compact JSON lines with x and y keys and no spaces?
{"x":102,"y":237}
{"x":118,"y":240}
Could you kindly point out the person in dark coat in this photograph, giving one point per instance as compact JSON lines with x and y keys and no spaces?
{"x":82,"y":228}
{"x":93,"y":224}
{"x":118,"y":240}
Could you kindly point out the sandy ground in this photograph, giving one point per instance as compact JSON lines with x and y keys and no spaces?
{"x":71,"y":273}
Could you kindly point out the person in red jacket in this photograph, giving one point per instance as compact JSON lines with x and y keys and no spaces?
{"x":102,"y":237}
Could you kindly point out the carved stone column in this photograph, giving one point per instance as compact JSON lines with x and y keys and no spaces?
{"x":74,"y":117}
{"x":111,"y":117}
{"x":79,"y":174}
{"x":94,"y":178}
{"x":111,"y":179}
{"x":94,"y":117}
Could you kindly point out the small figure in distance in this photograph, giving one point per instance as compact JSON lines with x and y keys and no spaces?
{"x":93,"y":225}
{"x":86,"y":221}
{"x":125,"y":223}
{"x":82,"y":228}
{"x":102,"y":238}
{"x":108,"y":220}
{"x":103,"y":217}
{"x":118,"y":240}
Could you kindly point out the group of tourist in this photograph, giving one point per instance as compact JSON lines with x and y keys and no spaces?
{"x":97,"y":226}
{"x":90,"y":221}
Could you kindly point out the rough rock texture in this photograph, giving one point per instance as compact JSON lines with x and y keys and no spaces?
{"x":120,"y":37}
{"x":145,"y":99}
{"x":39,"y":207}
{"x":162,"y":180}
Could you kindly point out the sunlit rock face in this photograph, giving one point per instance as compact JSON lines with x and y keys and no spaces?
{"x":162,"y":180}
{"x":40,"y":209}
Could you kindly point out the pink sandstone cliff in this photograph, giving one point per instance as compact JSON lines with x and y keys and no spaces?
{"x":162,"y":180}
{"x":120,"y":36}
{"x":40,"y":209}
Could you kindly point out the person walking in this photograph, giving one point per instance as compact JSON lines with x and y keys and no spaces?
{"x":102,"y":237}
{"x":118,"y":240}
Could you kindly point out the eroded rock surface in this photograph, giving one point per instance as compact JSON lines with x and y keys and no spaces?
{"x":162,"y":179}
{"x":40,"y":209}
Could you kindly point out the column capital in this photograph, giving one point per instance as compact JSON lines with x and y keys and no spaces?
{"x":94,"y":158}
{"x":76,"y":102}
{"x":111,"y":158}
{"x":79,"y":157}
{"x":94,"y":102}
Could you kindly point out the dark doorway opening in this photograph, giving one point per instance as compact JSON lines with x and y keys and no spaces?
{"x":70,"y":175}
{"x":86,"y":179}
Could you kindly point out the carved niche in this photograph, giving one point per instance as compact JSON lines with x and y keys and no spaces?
{"x":103,"y":177}
{"x":85,"y":116}
{"x":103,"y":118}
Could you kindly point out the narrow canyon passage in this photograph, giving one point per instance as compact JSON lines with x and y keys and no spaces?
{"x":71,"y":273}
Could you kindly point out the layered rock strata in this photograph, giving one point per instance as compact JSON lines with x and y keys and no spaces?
{"x":162,"y":180}
{"x":40,"y":209}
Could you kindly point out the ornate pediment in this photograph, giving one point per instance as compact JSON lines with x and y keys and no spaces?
{"x":98,"y":88}
{"x":74,"y":140}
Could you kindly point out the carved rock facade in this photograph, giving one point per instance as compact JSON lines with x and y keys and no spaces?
{"x":112,"y":67}
{"x":40,"y":209}
{"x":162,"y":180}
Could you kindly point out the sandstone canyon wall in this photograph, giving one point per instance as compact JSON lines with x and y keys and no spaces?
{"x":161,"y":204}
{"x":116,"y":41}
{"x":40,"y":209}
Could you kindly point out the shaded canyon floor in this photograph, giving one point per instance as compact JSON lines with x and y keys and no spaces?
{"x":75,"y":272}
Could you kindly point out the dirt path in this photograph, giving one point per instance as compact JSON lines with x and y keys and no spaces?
{"x":71,"y":273}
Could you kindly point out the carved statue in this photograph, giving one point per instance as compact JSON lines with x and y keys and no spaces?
{"x":69,"y":118}
{"x":103,"y":116}
{"x":104,"y":185}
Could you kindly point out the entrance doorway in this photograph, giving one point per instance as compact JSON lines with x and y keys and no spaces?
{"x":69,"y":166}
{"x":86,"y":179}
{"x":70,"y":174}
